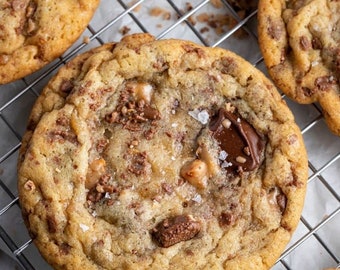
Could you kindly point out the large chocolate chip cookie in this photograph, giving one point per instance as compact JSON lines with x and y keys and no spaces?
{"x":165,"y":154}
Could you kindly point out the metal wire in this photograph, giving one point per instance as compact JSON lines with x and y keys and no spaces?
{"x":8,"y":153}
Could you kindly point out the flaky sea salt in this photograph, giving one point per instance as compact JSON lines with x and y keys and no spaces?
{"x":197,"y":198}
{"x":201,"y":116}
{"x":226,"y":164}
{"x":194,"y":113}
{"x":315,"y":63}
{"x":107,"y":195}
{"x":223,"y":155}
{"x":84,"y":227}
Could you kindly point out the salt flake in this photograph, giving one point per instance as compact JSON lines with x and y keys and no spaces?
{"x":107,"y":195}
{"x":223,"y":155}
{"x":226,"y":164}
{"x":197,"y":198}
{"x":84,"y":227}
{"x":201,"y":116}
{"x":194,"y":114}
{"x":315,"y":63}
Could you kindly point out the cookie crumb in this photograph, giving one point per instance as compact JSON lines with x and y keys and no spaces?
{"x":86,"y":40}
{"x":216,"y":3}
{"x":157,"y":12}
{"x":137,"y":8}
{"x":124,"y":30}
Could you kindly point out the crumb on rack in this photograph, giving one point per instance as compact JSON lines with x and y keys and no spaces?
{"x":216,"y":3}
{"x":157,"y":11}
{"x":86,"y":39}
{"x":220,"y":23}
{"x":137,"y":8}
{"x":124,"y":30}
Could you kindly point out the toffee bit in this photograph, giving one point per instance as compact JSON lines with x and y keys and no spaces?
{"x":226,"y":123}
{"x":246,"y":150}
{"x":134,"y":143}
{"x":241,"y":159}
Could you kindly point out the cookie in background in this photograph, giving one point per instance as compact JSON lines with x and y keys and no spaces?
{"x":34,"y":33}
{"x":300,"y":43}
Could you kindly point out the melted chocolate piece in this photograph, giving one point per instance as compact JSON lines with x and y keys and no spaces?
{"x":239,"y":140}
{"x":176,"y":229}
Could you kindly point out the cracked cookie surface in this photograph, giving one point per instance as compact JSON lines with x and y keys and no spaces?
{"x":164,"y":154}
{"x":300,"y":42}
{"x":34,"y":32}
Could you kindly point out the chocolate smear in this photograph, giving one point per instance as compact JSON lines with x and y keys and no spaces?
{"x":240,"y":141}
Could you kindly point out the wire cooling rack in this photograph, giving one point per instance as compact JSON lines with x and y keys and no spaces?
{"x":316,"y":242}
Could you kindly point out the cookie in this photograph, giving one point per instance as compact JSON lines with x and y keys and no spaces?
{"x":165,"y":154}
{"x":300,"y":42}
{"x":33,"y":33}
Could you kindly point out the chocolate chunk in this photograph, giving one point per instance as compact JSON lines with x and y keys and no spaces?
{"x":316,"y":43}
{"x":64,"y":249}
{"x":51,"y":224}
{"x":307,"y":91}
{"x":176,"y":229}
{"x":138,"y":164}
{"x":324,"y":83}
{"x":66,"y":86}
{"x":225,"y":219}
{"x":281,"y":201}
{"x":151,"y":113}
{"x":233,"y":140}
{"x":304,"y":43}
{"x":228,"y":65}
{"x":274,"y":30}
{"x":278,"y":198}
